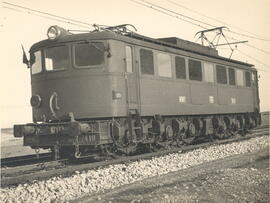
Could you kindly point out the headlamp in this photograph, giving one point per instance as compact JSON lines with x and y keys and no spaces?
{"x":55,"y":32}
{"x":35,"y":101}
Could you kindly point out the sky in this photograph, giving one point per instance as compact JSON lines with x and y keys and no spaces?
{"x":247,"y":17}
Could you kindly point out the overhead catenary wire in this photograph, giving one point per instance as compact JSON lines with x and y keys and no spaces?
{"x":46,"y":17}
{"x":251,"y":46}
{"x":255,"y":59}
{"x":64,"y":19}
{"x":86,"y":25}
{"x":55,"y":17}
{"x":182,"y":15}
{"x":176,"y":16}
{"x":248,"y":36}
{"x":222,"y":22}
{"x":165,"y":11}
{"x":168,"y":10}
{"x":254,"y":47}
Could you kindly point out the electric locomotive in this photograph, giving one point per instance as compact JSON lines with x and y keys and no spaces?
{"x":115,"y":91}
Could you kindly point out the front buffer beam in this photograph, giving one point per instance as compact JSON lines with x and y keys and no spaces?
{"x":45,"y":135}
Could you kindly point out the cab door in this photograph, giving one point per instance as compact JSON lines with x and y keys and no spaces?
{"x":132,"y":80}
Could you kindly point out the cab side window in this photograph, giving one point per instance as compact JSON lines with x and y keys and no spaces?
{"x":164,"y":65}
{"x":221,"y":74}
{"x":208,"y":72}
{"x":240,"y":77}
{"x":180,"y":67}
{"x":147,"y":62}
{"x":248,"y":79}
{"x":195,"y":70}
{"x":231,"y":76}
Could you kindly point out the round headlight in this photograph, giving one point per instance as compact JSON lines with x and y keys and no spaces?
{"x":53,"y":32}
{"x":35,"y":101}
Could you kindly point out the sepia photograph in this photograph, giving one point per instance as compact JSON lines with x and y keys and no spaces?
{"x":134,"y":101}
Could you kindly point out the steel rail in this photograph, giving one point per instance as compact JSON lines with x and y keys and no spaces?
{"x":23,"y":160}
{"x":31,"y":168}
{"x":70,"y":169}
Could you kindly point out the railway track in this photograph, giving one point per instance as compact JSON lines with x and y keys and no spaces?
{"x":45,"y":170}
{"x":25,"y":160}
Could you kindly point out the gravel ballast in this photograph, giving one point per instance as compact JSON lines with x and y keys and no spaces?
{"x":59,"y":189}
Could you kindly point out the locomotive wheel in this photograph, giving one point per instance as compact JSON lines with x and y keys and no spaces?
{"x":192,"y":130}
{"x":169,"y":132}
{"x":237,"y":125}
{"x":180,"y":128}
{"x":190,"y":136}
{"x":222,"y":127}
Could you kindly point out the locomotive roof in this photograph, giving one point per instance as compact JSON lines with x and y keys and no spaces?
{"x":134,"y":38}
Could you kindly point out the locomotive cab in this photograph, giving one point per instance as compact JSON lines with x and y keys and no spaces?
{"x":70,"y":75}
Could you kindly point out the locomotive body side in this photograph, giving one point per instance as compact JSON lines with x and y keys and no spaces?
{"x":169,"y":96}
{"x":174,"y":96}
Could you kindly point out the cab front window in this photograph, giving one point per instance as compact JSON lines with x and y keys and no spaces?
{"x":56,"y":58}
{"x":37,"y":65}
{"x":89,"y":54}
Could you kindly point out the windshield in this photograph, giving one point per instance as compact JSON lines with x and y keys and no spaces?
{"x":56,"y":58}
{"x":89,"y":54}
{"x":36,"y":66}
